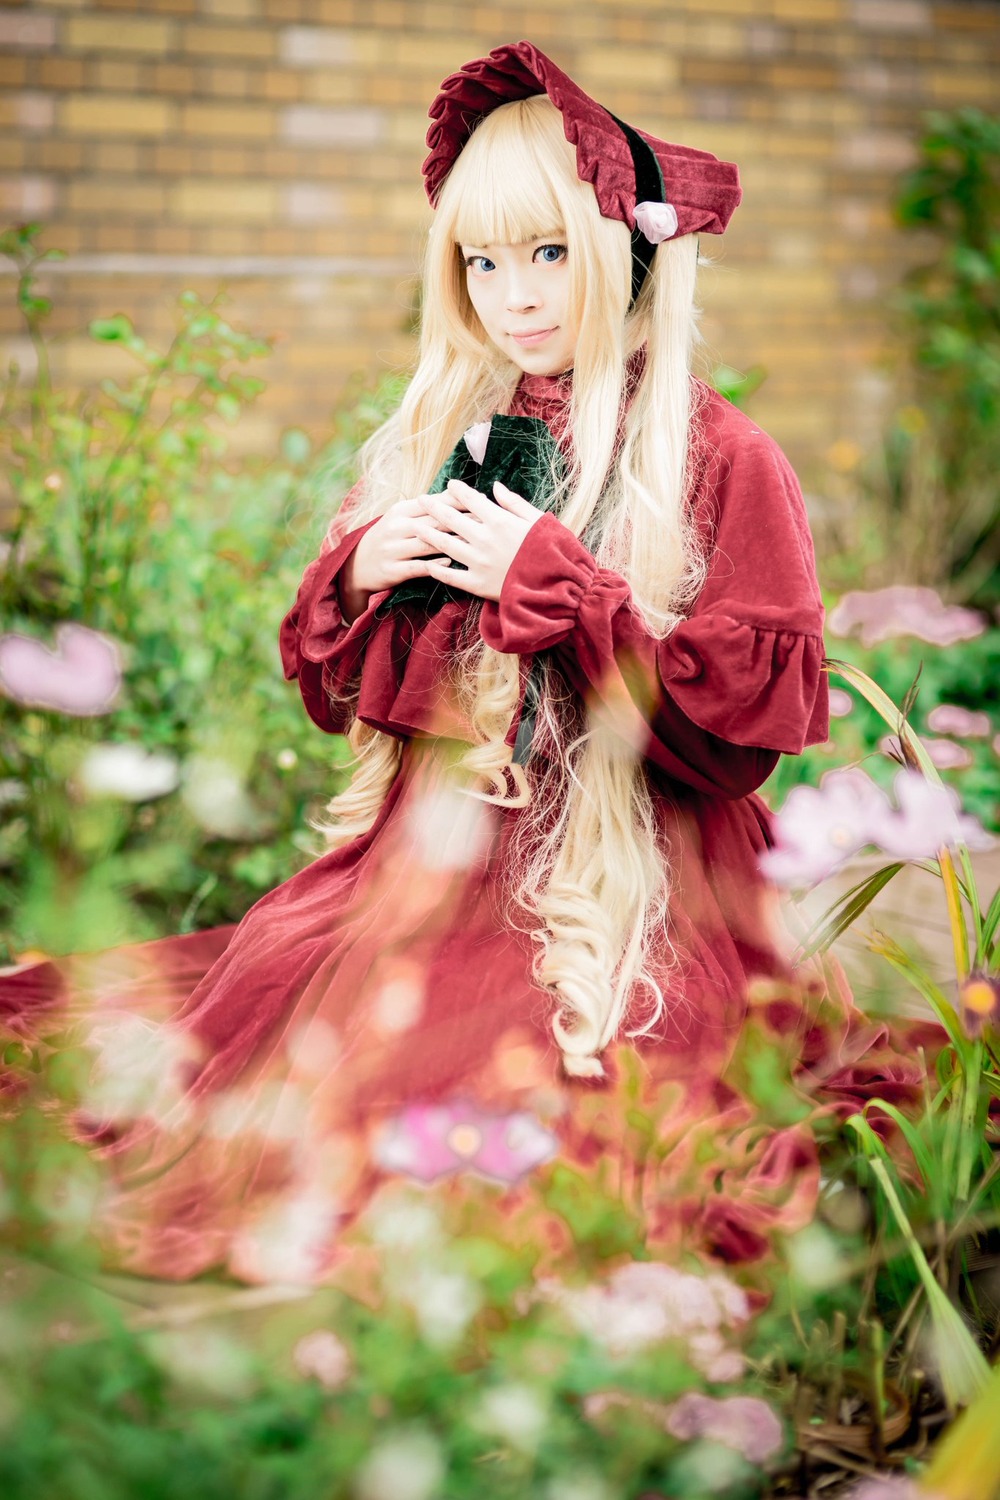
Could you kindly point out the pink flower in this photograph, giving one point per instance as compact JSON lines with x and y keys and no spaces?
{"x":951,"y":718}
{"x":321,"y":1356}
{"x":929,"y":817}
{"x":882,"y":614}
{"x":657,"y":221}
{"x":475,"y":438}
{"x":647,"y":1302}
{"x":841,"y":703}
{"x":82,"y":676}
{"x":427,"y":1141}
{"x":818,"y":828}
{"x":743,"y":1423}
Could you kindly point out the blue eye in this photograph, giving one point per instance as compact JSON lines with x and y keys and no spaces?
{"x":484,"y":263}
{"x":551,"y":254}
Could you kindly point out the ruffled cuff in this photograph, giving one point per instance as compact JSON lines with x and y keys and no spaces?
{"x":541,"y":596}
{"x":751,"y":684}
{"x":320,"y":625}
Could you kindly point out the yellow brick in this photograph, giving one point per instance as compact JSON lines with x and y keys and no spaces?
{"x":807,"y":11}
{"x":118,"y":34}
{"x":229,"y":41}
{"x":212,"y":120}
{"x":108,"y":115}
{"x":122,"y":199}
{"x":113,"y":75}
{"x":954,"y":86}
{"x":243,"y":10}
{"x":721,"y":38}
{"x":619,"y":67}
{"x":211,"y":201}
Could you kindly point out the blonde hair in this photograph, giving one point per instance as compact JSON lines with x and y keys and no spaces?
{"x":592,"y":873}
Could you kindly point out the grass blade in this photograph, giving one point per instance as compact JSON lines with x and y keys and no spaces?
{"x":846,"y":910}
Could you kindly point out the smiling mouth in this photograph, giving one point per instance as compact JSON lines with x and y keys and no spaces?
{"x":534,"y":337}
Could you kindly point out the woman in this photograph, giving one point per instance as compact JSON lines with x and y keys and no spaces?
{"x":561,"y":701}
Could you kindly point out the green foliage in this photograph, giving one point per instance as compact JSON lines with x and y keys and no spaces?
{"x":126,"y":515}
{"x":924,"y":507}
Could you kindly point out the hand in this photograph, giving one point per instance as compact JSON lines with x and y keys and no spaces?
{"x":390,"y":552}
{"x":470,"y":529}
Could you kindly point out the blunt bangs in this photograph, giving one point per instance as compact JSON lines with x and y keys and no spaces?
{"x":510,"y":183}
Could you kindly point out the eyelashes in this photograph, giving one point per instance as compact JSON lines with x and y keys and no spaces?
{"x":469,"y":261}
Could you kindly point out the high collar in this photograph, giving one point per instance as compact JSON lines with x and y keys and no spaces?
{"x":546,"y":389}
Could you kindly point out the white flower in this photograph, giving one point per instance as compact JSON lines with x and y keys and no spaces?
{"x":128,"y":771}
{"x":403,"y":1466}
{"x":216,"y":798}
{"x":289,"y":1242}
{"x":205,"y":1359}
{"x":516,"y":1413}
{"x":657,"y":221}
{"x":476,"y":438}
{"x":444,"y":1302}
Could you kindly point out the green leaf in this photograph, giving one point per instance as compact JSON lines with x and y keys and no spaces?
{"x":296,"y":445}
{"x":837,"y":918}
{"x":111,"y":330}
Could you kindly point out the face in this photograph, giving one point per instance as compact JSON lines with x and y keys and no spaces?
{"x":522,"y":296}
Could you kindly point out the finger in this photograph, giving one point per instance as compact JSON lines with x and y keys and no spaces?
{"x":447,"y":542}
{"x":513,"y":502}
{"x":472,"y":500}
{"x":462,"y":522}
{"x":458,"y":578}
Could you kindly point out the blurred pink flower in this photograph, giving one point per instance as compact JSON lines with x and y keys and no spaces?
{"x":648,"y":1302}
{"x":818,"y":828}
{"x":322,"y":1356}
{"x":81,"y":676}
{"x":952,"y":718}
{"x":929,"y":817}
{"x":476,"y":437}
{"x":841,"y":703}
{"x":882,"y":614}
{"x":427,"y":1141}
{"x":744,"y":1423}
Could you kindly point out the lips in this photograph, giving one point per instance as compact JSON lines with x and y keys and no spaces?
{"x":534,"y":336}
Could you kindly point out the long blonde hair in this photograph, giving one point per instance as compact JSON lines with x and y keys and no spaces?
{"x":592,"y":872}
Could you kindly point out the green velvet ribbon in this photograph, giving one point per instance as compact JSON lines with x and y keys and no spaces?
{"x":519,"y":453}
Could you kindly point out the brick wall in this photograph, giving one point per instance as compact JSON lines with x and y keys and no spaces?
{"x":275,"y":145}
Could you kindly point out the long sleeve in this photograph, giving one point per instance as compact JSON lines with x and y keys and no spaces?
{"x":740,"y":679}
{"x":319,"y":648}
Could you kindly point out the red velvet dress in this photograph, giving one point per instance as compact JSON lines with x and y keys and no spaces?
{"x":387,"y":973}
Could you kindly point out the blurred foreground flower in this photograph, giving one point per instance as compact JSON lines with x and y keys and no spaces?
{"x":647,"y":1302}
{"x":321,"y":1356}
{"x":515,"y":1412}
{"x":819,"y":828}
{"x":128,"y":772}
{"x":883,"y":614}
{"x":427,"y":1141}
{"x":743,"y":1423}
{"x":979,"y":1003}
{"x":82,"y":676}
{"x":403,"y":1466}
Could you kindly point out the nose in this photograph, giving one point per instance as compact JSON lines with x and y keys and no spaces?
{"x":522,"y":289}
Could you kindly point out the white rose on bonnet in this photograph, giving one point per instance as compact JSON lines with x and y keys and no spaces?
{"x":657,"y":221}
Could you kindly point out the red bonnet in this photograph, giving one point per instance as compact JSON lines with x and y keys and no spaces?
{"x":702,"y":190}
